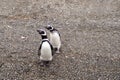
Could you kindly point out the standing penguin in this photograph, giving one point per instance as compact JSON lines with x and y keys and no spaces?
{"x":54,"y":38}
{"x":46,"y":49}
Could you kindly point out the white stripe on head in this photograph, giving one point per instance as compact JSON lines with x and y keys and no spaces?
{"x":49,"y":26}
{"x":43,"y":31}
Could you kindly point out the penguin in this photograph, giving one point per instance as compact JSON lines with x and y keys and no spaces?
{"x":55,"y":38}
{"x":45,"y":51}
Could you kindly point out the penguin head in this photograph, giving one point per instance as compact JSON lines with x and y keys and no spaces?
{"x":49,"y":27}
{"x":41,"y":32}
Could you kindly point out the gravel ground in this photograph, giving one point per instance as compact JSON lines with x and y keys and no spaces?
{"x":90,"y":33}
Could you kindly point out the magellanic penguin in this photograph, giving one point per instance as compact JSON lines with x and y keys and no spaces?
{"x":55,"y":38}
{"x":45,"y":51}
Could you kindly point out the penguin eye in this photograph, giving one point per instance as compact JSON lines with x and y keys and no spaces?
{"x":42,"y":32}
{"x":50,"y":28}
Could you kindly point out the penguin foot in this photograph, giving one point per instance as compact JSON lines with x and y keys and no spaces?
{"x":42,"y":64}
{"x":46,"y":63}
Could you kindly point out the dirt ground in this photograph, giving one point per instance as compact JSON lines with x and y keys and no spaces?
{"x":90,"y":31}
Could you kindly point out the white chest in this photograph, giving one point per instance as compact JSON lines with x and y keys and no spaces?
{"x":46,"y":52}
{"x":55,"y":39}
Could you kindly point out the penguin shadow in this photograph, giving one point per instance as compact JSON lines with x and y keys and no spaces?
{"x":48,"y":64}
{"x":44,"y":71}
{"x":52,"y":68}
{"x":43,"y":63}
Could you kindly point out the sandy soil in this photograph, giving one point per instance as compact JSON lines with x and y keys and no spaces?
{"x":90,"y":31}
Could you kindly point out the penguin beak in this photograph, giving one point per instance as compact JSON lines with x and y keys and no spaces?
{"x":46,"y":27}
{"x":39,"y":31}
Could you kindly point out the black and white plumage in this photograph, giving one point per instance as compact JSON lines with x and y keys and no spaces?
{"x":55,"y":38}
{"x":45,"y":51}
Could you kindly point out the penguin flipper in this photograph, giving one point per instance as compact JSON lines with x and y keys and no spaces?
{"x":39,"y":51}
{"x":52,"y":48}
